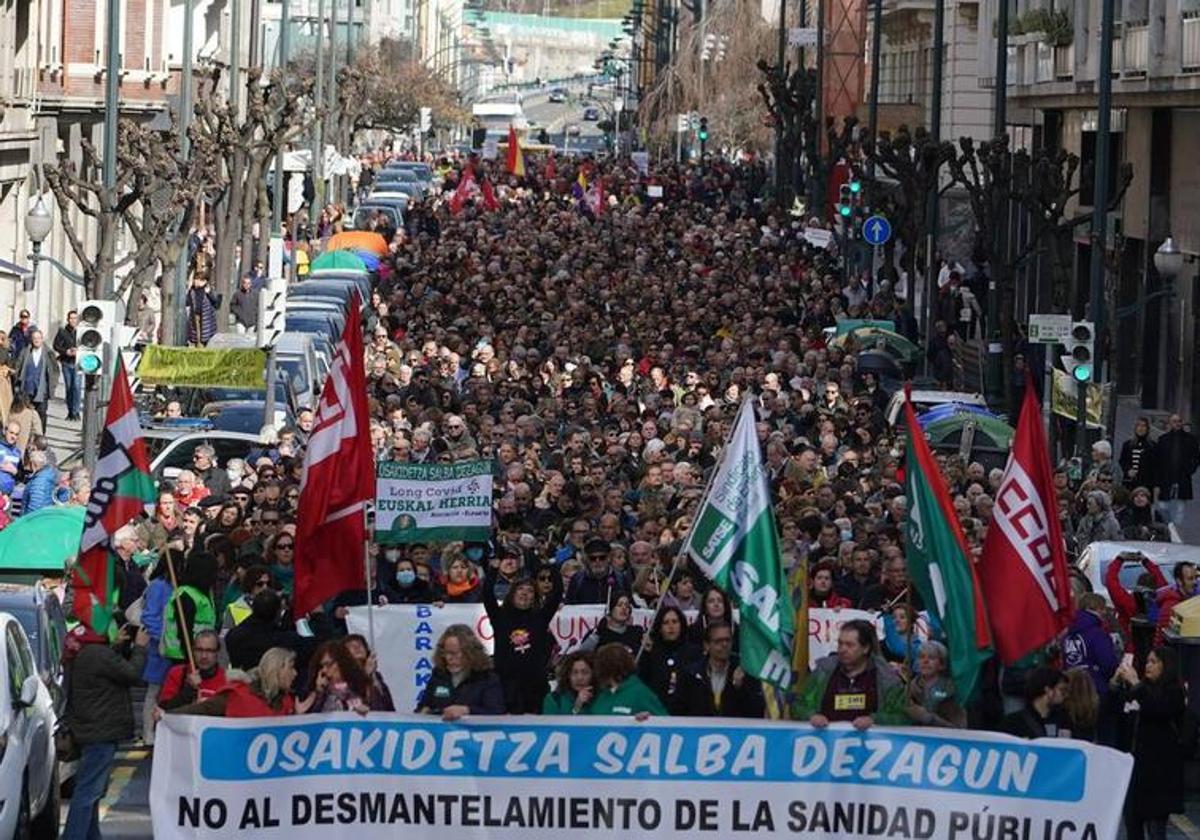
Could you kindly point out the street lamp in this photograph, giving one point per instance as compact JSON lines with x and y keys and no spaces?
{"x":1168,"y":259}
{"x":38,"y":222}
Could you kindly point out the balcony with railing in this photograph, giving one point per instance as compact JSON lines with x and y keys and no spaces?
{"x":1189,"y":55}
{"x":1135,"y":46}
{"x":1044,"y":62}
{"x":1064,"y":63}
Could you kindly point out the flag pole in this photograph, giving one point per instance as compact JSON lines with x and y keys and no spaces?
{"x":692,"y":525}
{"x":367,"y":568}
{"x":187,"y":639}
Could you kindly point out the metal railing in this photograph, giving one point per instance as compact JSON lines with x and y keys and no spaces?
{"x":1135,"y":42}
{"x":1189,"y":57}
{"x":1044,"y":61}
{"x":1064,"y":63}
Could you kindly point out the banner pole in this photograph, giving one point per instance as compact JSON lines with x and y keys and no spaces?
{"x":179,"y":616}
{"x":692,"y":525}
{"x":367,"y":568}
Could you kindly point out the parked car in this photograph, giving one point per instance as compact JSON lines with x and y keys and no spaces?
{"x":925,"y":400}
{"x":573,"y":130}
{"x":167,"y":459}
{"x":1094,"y":560}
{"x":245,"y":416}
{"x":591,"y":114}
{"x":394,"y":214}
{"x":29,"y":800}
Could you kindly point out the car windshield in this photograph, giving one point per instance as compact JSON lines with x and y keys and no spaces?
{"x":27,"y":617}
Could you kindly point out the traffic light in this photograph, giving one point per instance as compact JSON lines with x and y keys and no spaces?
{"x":1080,"y":360}
{"x":98,"y":321}
{"x":272,"y":311}
{"x":845,"y":201}
{"x":703,"y":132}
{"x":855,"y":187}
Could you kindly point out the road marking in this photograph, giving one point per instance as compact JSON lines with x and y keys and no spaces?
{"x":1183,"y":824}
{"x":122,"y":775}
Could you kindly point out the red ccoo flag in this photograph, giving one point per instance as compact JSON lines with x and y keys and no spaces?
{"x":1023,"y":570}
{"x":339,"y":476}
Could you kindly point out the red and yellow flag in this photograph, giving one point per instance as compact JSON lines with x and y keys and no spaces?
{"x":516,"y":158}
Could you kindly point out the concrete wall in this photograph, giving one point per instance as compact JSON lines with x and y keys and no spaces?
{"x":1185,"y":180}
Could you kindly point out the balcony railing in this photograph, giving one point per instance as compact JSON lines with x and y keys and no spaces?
{"x":1064,"y":63}
{"x":1190,"y":54}
{"x":1045,"y":62}
{"x":1136,"y":49}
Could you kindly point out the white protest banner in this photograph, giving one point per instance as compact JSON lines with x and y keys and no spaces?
{"x":560,"y":778}
{"x":433,"y":502}
{"x":406,"y":635}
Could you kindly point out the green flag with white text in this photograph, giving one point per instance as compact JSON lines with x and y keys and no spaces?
{"x":734,"y":542}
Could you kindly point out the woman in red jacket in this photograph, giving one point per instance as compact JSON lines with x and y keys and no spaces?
{"x":1123,"y":601}
{"x":267,"y":693}
{"x":821,"y":592}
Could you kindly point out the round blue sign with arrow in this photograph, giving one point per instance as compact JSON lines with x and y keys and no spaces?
{"x":877,"y":230}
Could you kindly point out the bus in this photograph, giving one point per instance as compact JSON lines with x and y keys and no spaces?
{"x":496,"y":117}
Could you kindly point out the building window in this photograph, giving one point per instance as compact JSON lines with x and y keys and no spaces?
{"x":1087,"y":157}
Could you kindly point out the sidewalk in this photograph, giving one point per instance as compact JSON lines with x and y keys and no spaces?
{"x":1127,"y":413}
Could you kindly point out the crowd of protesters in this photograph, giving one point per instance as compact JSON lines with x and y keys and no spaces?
{"x":597,"y":355}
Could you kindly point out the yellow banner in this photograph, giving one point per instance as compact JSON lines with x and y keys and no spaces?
{"x":199,"y":367}
{"x":1064,"y":396}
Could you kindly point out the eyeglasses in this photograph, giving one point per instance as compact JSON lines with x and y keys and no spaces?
{"x":284,"y":546}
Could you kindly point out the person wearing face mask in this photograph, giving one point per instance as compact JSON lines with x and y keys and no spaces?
{"x":407,"y":587}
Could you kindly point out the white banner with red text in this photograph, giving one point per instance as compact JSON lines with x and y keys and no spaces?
{"x":560,"y":778}
{"x":406,"y":634}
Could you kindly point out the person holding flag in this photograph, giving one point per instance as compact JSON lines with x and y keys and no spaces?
{"x":939,"y":562}
{"x":99,"y":676}
{"x":735,"y":544}
{"x":516,"y":157}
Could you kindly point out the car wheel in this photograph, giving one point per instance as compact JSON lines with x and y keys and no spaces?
{"x":45,"y":825}
{"x":21,"y":831}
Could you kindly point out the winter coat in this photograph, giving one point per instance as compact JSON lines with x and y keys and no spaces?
{"x":1156,"y":788}
{"x":50,"y":363}
{"x":1176,"y":455}
{"x":892,"y":700}
{"x":631,"y":697}
{"x":244,"y":306}
{"x":1088,"y":645}
{"x":1137,"y":461}
{"x":744,"y":701}
{"x":98,"y":701}
{"x":481,"y":692}
{"x":39,"y":490}
{"x":665,"y":668}
{"x":585,"y":589}
{"x":202,"y":307}
{"x":523,"y":644}
{"x":154,"y":606}
{"x":1123,"y":601}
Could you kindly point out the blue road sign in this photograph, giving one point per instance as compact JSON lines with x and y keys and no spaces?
{"x":877,"y":230}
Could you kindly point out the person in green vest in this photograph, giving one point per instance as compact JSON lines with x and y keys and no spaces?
{"x":190,"y":609}
{"x":576,"y":686}
{"x":249,"y":580}
{"x":619,"y":691}
{"x":854,"y":685}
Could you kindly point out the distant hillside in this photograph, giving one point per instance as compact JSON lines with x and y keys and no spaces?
{"x":561,"y":8}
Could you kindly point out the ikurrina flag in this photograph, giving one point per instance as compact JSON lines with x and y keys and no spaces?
{"x":734,"y":542}
{"x":939,"y":563}
{"x":121,"y":489}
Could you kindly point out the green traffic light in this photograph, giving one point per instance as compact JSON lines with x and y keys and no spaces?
{"x":703,"y":136}
{"x":1082,"y":373}
{"x":89,"y":364}
{"x":844,"y":209}
{"x":855,"y":186}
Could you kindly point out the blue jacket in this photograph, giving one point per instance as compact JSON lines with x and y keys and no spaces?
{"x":1088,"y":645}
{"x":154,"y":605}
{"x":39,"y":490}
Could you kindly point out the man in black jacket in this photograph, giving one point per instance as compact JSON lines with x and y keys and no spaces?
{"x":718,"y":687}
{"x":101,"y":715}
{"x":65,"y":344}
{"x":1176,"y":456}
{"x":247,"y":642}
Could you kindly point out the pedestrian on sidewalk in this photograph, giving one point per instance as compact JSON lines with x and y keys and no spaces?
{"x":1176,"y":456}
{"x":18,"y":336}
{"x":245,"y":306}
{"x":65,"y":344}
{"x":37,"y":373}
{"x":6,"y":374}
{"x":100,"y":710}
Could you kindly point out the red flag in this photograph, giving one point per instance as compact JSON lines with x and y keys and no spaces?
{"x":489,"y":195}
{"x":516,"y":158}
{"x":122,"y":487}
{"x":339,"y":475}
{"x":1024,"y":566}
{"x":463,"y":191}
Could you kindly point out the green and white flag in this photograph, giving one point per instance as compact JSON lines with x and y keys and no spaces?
{"x":734,"y":542}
